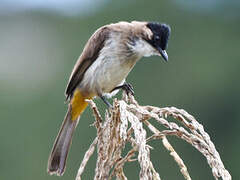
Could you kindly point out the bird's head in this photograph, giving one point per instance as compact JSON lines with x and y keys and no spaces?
{"x":150,"y":38}
{"x":159,"y":38}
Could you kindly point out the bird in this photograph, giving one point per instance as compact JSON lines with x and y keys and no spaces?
{"x":100,"y":71}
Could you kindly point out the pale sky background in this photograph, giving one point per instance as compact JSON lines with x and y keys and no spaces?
{"x":66,"y":7}
{"x":81,"y":7}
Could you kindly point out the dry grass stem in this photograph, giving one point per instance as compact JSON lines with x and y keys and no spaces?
{"x":127,"y":122}
{"x":87,"y":155}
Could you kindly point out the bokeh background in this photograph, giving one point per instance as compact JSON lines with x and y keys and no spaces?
{"x":40,"y":42}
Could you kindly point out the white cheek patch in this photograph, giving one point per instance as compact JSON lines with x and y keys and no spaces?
{"x":143,"y":48}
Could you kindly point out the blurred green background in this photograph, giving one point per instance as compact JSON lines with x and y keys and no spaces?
{"x":40,"y":43}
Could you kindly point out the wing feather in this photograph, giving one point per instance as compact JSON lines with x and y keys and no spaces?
{"x":90,"y":53}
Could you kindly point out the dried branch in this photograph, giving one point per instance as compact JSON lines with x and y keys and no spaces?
{"x":125,"y":124}
{"x":87,"y":155}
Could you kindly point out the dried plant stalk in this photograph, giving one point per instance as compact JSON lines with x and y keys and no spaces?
{"x":124,"y":123}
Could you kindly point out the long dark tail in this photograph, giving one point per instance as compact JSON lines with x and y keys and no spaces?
{"x":58,"y":156}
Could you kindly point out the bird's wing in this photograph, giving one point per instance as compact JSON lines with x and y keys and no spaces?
{"x":89,"y":55}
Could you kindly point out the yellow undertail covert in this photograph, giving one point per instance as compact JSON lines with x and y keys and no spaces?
{"x":78,"y":104}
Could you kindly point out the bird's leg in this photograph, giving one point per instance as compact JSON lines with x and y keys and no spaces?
{"x":106,"y":102}
{"x":126,"y":87}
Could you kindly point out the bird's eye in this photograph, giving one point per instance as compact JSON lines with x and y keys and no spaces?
{"x":157,"y":37}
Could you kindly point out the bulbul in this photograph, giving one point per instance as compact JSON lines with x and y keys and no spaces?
{"x":107,"y":58}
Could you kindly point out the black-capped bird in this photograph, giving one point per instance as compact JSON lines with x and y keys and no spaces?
{"x":107,"y":58}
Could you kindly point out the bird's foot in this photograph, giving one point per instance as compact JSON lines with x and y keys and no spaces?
{"x":127,"y":87}
{"x":106,"y":102}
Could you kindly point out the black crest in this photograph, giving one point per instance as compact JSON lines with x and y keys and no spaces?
{"x":161,"y":33}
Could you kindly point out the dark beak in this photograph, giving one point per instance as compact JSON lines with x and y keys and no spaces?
{"x":163,"y":54}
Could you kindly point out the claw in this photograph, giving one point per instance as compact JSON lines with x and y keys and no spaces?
{"x":127,"y":87}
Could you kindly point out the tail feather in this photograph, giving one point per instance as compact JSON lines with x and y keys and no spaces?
{"x":58,"y":156}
